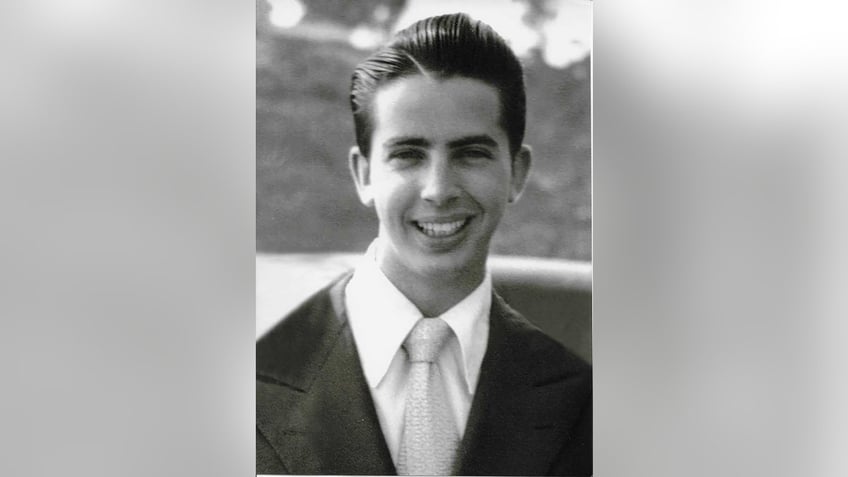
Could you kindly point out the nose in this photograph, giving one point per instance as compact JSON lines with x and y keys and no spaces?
{"x":440,"y":182}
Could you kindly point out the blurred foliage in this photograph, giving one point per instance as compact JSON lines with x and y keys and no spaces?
{"x":305,"y":198}
{"x":351,"y":13}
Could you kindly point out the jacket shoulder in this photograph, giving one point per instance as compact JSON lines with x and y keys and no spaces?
{"x":292,"y":350}
{"x":540,"y":348}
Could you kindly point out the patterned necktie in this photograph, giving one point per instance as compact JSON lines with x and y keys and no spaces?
{"x":430,"y":437}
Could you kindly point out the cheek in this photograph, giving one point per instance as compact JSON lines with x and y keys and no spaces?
{"x":392,"y":197}
{"x":490,"y":188}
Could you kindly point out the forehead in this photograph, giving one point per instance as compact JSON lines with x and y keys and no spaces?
{"x":436,"y":109}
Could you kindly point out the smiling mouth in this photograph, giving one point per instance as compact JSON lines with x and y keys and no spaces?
{"x":441,"y":229}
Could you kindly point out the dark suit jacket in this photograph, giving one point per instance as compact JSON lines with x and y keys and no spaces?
{"x":531,"y":414}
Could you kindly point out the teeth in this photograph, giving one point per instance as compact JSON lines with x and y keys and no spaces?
{"x":440,"y":229}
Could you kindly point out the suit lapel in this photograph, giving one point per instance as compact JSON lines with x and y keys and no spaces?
{"x":313,"y":403}
{"x":315,"y":409}
{"x":521,"y":412}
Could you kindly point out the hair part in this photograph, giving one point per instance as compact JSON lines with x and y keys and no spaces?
{"x":442,"y":47}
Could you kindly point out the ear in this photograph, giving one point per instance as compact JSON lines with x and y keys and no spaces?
{"x":360,"y":169}
{"x":520,"y":170}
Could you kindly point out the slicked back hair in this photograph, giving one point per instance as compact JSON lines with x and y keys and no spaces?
{"x":444,"y":46}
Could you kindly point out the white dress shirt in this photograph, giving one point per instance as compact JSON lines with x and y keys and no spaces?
{"x":381,"y":317}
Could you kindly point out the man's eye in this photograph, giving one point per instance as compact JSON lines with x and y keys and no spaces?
{"x":476,"y":153}
{"x":407,"y":155}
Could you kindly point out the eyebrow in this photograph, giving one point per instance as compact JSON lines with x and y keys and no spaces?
{"x":479,"y":139}
{"x":406,"y":141}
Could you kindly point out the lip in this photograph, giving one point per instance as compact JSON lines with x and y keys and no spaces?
{"x":443,"y":219}
{"x":442,"y":243}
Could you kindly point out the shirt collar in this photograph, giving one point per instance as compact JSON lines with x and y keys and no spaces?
{"x":381,"y":317}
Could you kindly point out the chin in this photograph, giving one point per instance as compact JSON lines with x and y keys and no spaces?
{"x":448,"y":265}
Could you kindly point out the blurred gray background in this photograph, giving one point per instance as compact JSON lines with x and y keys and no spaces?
{"x":305,"y":53}
{"x":720,"y":266}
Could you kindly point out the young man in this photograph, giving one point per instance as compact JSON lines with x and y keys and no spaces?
{"x":412,"y":364}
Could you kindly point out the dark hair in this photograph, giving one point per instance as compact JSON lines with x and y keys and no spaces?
{"x":445,"y":46}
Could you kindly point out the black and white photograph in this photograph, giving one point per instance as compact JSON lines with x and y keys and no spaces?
{"x":424,"y":237}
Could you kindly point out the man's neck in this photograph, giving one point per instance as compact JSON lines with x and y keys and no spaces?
{"x":435,"y":295}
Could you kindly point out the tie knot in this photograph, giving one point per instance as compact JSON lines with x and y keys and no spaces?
{"x":426,"y":339}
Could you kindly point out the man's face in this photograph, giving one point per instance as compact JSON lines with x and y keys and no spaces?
{"x":439,"y":176}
